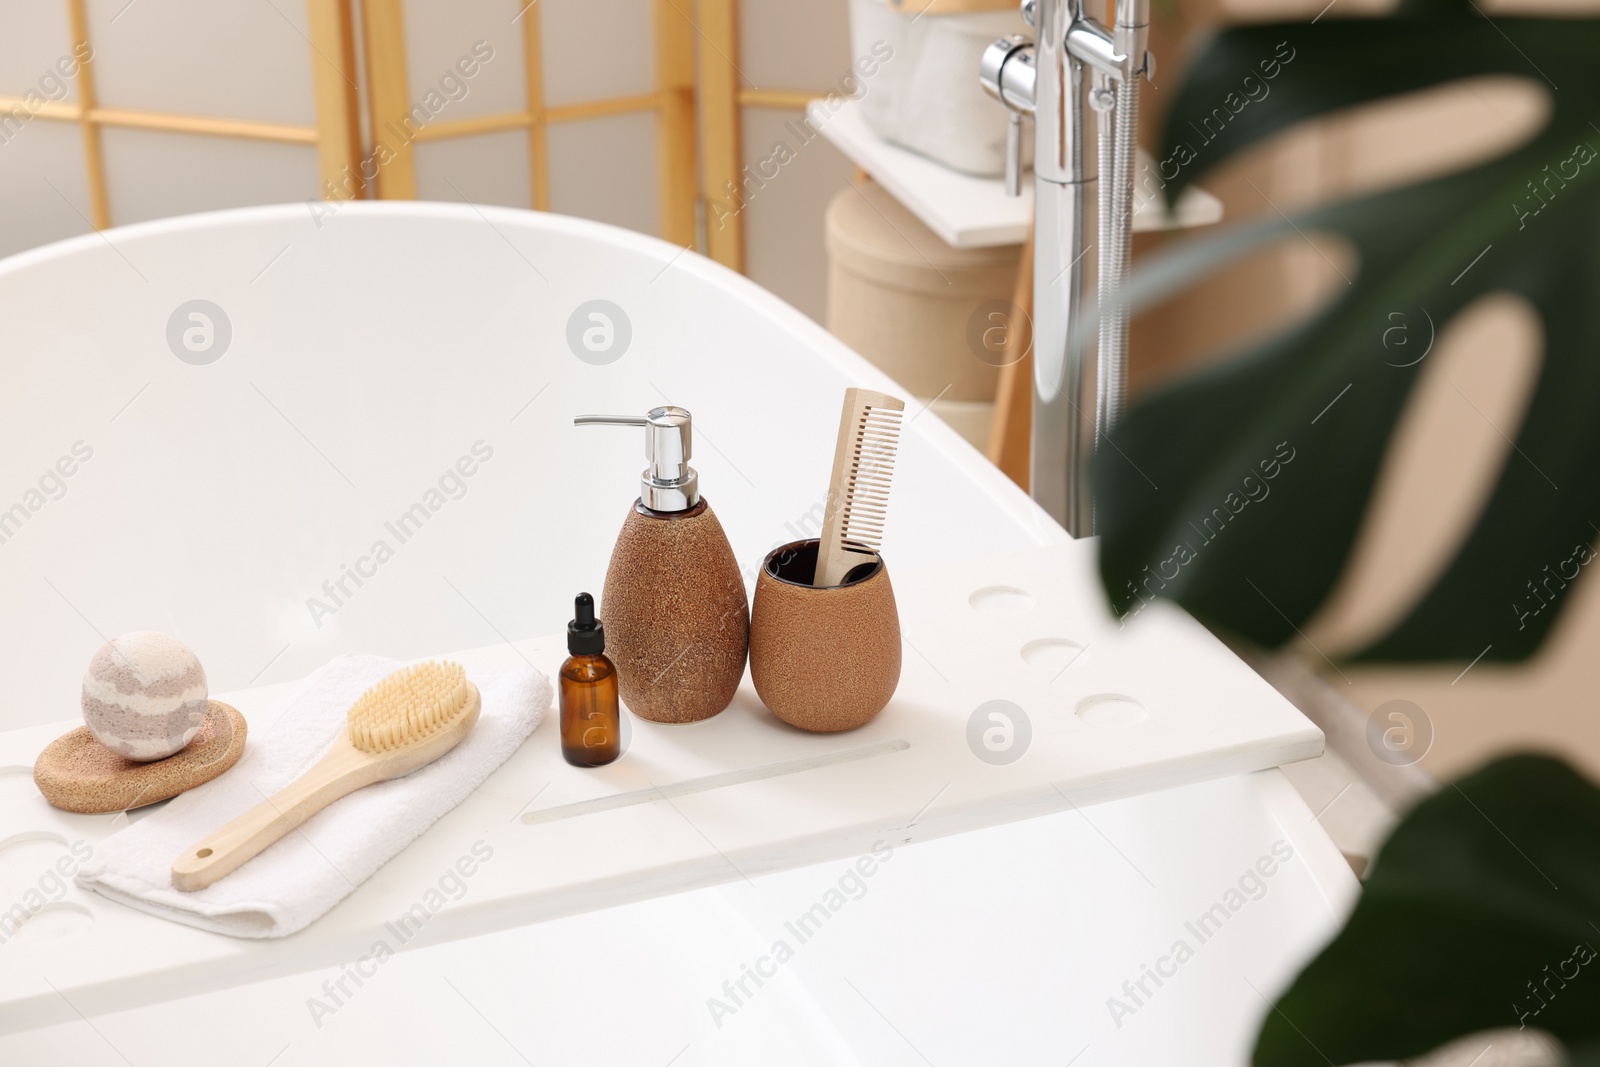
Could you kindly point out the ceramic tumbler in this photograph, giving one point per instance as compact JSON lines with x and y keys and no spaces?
{"x":823,"y":659}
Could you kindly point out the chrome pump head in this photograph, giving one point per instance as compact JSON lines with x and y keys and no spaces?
{"x":668,"y":483}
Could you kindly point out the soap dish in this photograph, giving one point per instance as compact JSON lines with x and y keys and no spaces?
{"x":77,"y":773}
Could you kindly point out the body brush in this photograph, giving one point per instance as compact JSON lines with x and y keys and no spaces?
{"x":407,"y":720}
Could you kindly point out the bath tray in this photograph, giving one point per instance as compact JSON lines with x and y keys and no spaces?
{"x":1020,"y":696}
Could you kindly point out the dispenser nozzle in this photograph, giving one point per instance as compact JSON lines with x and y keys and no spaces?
{"x":669,"y":483}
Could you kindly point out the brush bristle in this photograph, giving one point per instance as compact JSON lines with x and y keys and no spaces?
{"x":877,"y":438}
{"x":408,"y":705}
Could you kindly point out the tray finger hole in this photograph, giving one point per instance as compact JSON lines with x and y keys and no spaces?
{"x":1111,"y":709}
{"x":1050,"y":656}
{"x":1001,"y":600}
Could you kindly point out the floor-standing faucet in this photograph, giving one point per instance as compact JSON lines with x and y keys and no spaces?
{"x":1048,"y":80}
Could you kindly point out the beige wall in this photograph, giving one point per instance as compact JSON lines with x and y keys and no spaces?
{"x":793,"y":46}
{"x":251,"y":60}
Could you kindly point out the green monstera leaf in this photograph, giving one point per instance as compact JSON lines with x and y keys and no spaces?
{"x":1480,"y":913}
{"x":1238,"y":491}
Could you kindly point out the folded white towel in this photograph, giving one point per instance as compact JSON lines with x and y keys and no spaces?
{"x":303,"y":875}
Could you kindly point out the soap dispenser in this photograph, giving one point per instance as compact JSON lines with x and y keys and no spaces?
{"x":674,"y":601}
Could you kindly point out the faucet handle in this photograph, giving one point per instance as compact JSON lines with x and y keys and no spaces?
{"x":1007,"y":73}
{"x":1013,"y":153}
{"x":991,"y":67}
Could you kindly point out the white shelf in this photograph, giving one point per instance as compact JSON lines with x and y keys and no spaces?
{"x":971,"y":212}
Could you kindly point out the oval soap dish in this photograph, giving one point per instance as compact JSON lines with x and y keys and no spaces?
{"x":77,"y":773}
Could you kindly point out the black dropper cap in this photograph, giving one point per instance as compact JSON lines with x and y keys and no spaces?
{"x":585,"y":635}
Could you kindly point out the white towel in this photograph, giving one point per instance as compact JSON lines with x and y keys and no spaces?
{"x":300,"y":877}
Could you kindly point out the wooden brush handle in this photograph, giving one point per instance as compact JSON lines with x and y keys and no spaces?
{"x":341,"y":772}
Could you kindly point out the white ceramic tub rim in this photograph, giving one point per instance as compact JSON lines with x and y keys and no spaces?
{"x":1000,"y":489}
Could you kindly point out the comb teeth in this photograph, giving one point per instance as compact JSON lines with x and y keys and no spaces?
{"x":407,"y":706}
{"x":877,"y":437}
{"x":858,"y":490}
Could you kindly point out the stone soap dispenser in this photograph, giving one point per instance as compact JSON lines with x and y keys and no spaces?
{"x":674,"y":601}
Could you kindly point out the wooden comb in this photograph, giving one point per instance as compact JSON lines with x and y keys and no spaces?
{"x":858,"y":493}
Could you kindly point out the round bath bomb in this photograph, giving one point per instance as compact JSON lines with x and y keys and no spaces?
{"x":144,"y":695}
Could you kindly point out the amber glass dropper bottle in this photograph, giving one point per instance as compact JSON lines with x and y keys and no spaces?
{"x":591,"y":734}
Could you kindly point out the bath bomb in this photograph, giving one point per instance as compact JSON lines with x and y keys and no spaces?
{"x":144,"y":695}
